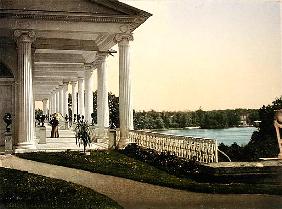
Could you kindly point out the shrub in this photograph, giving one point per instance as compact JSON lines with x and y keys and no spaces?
{"x":165,"y":161}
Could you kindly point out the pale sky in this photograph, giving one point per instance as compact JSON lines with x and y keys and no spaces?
{"x":214,"y":54}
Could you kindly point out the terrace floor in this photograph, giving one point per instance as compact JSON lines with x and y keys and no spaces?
{"x":66,"y":141}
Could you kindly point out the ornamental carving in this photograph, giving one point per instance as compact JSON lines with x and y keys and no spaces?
{"x":278,"y":116}
{"x":278,"y":126}
{"x":123,"y":37}
{"x":24,"y":36}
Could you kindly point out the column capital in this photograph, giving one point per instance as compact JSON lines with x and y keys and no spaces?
{"x":100,"y":58}
{"x":24,"y":36}
{"x":123,"y":38}
{"x":73,"y":82}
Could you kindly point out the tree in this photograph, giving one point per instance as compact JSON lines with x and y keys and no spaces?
{"x":264,"y":142}
{"x":83,"y":135}
{"x":113,"y":108}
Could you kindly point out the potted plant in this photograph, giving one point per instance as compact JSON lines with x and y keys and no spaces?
{"x":83,"y":135}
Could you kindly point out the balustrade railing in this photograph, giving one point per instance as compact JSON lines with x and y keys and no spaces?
{"x":203,"y":149}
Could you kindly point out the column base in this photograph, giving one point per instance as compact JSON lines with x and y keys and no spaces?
{"x":25,"y":147}
{"x":102,"y":133}
{"x":123,"y":142}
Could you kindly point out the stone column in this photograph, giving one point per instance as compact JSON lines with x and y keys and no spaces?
{"x":81,"y":96}
{"x":51,"y":103}
{"x":65,"y":98}
{"x":89,"y":80}
{"x":25,"y":108}
{"x":45,"y":111}
{"x":74,"y":98}
{"x":102,"y":96}
{"x":125,"y":104}
{"x":61,"y":100}
{"x":54,"y":101}
{"x":57,"y":100}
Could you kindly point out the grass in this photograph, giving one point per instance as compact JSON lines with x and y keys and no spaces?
{"x":117,"y":164}
{"x":22,"y":190}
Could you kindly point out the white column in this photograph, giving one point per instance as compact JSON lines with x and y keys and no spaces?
{"x":102,"y":95}
{"x":88,"y":84}
{"x":25,"y":108}
{"x":81,"y":96}
{"x":57,"y":99}
{"x":74,"y":98}
{"x":54,"y":101}
{"x":44,"y":101}
{"x":125,"y":105}
{"x":65,"y":98}
{"x":61,"y":100}
{"x":50,"y":104}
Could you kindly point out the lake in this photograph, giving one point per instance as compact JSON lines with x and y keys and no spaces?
{"x":228,"y":136}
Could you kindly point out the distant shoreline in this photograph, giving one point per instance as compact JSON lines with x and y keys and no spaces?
{"x":198,"y":127}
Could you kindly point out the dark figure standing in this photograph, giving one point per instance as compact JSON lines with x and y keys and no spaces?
{"x":55,"y":130}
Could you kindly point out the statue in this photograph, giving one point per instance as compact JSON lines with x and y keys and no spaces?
{"x":38,"y":118}
{"x":278,"y":126}
{"x":42,"y":119}
{"x":8,"y":120}
{"x":70,"y":120}
{"x":78,"y":118}
{"x":67,"y":118}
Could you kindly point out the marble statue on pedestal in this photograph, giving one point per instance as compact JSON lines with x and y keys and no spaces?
{"x":278,"y":126}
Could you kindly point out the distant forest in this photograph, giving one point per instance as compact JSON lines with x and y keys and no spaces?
{"x":178,"y":119}
{"x":205,"y":119}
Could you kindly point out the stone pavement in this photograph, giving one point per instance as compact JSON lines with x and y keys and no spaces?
{"x":64,"y":142}
{"x":135,"y":195}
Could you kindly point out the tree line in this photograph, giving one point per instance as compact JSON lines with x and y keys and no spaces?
{"x":177,"y":119}
{"x":204,"y":119}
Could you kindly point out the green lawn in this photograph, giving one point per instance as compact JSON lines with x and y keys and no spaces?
{"x":117,"y":164}
{"x":22,"y":190}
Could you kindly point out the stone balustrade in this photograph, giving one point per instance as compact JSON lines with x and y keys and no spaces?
{"x":205,"y":150}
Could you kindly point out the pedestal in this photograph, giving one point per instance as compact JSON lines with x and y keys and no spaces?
{"x":73,"y":126}
{"x":66,"y":125}
{"x":42,"y":135}
{"x":8,"y":143}
{"x":102,"y":135}
{"x":112,"y":139}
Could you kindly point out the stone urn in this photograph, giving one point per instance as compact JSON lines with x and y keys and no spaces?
{"x":8,"y":120}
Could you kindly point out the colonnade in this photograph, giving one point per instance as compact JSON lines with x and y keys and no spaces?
{"x":83,"y":85}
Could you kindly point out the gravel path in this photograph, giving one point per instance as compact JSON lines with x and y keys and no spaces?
{"x":135,"y":195}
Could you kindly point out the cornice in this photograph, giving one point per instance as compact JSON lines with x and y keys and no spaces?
{"x":66,"y":16}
